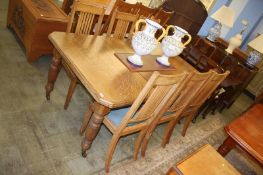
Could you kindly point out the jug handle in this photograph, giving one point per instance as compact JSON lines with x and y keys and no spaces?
{"x":168,"y":29}
{"x":162,"y":35}
{"x":189,"y":39}
{"x":137,"y":24}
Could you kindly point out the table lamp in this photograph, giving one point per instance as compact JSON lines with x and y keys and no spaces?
{"x":236,"y":40}
{"x":257,"y":45}
{"x":223,"y":15}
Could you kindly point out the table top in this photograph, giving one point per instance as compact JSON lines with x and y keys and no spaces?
{"x":206,"y":161}
{"x":247,"y":130}
{"x":149,"y":63}
{"x":92,"y":59}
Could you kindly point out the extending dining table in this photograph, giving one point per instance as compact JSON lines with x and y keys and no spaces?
{"x":106,"y":78}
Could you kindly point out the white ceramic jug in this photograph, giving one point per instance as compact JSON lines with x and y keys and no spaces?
{"x":144,"y":42}
{"x":172,"y":45}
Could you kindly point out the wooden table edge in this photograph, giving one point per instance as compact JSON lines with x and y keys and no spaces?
{"x":91,"y":90}
{"x":244,"y":145}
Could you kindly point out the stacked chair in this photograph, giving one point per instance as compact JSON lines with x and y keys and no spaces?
{"x":122,"y":24}
{"x":154,"y":100}
{"x":165,"y":98}
{"x":198,"y":89}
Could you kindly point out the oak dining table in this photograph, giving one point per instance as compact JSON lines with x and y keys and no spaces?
{"x":107,"y":79}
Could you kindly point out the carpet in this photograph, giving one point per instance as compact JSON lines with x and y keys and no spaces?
{"x":158,"y":160}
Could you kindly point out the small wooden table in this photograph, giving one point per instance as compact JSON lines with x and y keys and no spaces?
{"x":247,"y":132}
{"x":205,"y":161}
{"x":110,"y":83}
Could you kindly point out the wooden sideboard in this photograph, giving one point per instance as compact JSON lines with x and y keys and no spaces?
{"x":240,"y":75}
{"x":255,"y":86}
{"x":33,"y":21}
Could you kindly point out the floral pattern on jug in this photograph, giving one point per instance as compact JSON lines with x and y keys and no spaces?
{"x":172,"y":45}
{"x":144,"y":42}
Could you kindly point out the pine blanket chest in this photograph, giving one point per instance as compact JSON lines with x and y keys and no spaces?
{"x":33,"y":21}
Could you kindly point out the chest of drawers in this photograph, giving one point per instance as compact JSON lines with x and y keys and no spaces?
{"x":33,"y":21}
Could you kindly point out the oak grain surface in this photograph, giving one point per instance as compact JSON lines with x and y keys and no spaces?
{"x":92,"y":60}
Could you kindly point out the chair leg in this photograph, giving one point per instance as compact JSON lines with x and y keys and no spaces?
{"x":110,"y":152}
{"x":138,"y":143}
{"x":168,"y":132}
{"x":86,"y":119}
{"x":71,"y":89}
{"x":188,"y":120}
{"x":146,"y":140}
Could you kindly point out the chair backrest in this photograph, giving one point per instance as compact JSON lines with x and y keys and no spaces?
{"x":86,"y":17}
{"x":121,"y":24}
{"x":206,"y":91}
{"x":163,"y":16}
{"x":122,"y":7}
{"x":156,"y":96}
{"x":125,"y":7}
{"x":193,"y":86}
{"x":145,"y":12}
{"x":96,"y":1}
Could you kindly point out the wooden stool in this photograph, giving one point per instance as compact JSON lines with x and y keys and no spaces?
{"x":205,"y":161}
{"x":247,"y":132}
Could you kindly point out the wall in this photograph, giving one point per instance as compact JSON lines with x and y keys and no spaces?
{"x":258,"y":29}
{"x":209,"y":22}
{"x":237,"y":6}
{"x":252,"y":12}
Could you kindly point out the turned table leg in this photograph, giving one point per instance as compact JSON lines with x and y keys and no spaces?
{"x":54,"y":69}
{"x":228,"y":144}
{"x":93,"y":127}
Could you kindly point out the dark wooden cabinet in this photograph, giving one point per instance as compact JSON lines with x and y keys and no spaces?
{"x":33,"y":21}
{"x":201,"y":53}
{"x":188,"y":14}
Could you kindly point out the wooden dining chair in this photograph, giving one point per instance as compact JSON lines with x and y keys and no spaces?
{"x":122,"y":6}
{"x":159,"y":91}
{"x":122,"y":24}
{"x":194,"y":84}
{"x":86,"y":17}
{"x":163,"y":16}
{"x":200,"y":98}
{"x":203,"y":86}
{"x":145,"y":12}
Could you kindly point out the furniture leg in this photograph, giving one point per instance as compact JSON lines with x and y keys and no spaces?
{"x":53,"y":73}
{"x":168,"y":132}
{"x":72,"y":86}
{"x":93,"y":127}
{"x":146,"y":139}
{"x":138,"y":143}
{"x":86,"y":119}
{"x":187,"y":122}
{"x":228,"y":144}
{"x":110,"y":152}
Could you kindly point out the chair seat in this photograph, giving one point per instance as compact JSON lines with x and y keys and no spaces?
{"x":116,"y":116}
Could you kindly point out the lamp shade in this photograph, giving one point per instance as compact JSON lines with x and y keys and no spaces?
{"x":224,"y":15}
{"x":257,"y":43}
